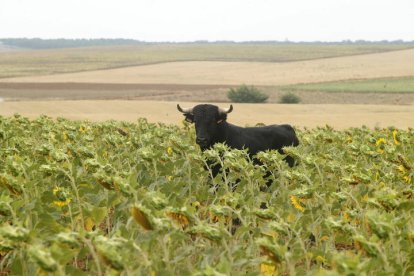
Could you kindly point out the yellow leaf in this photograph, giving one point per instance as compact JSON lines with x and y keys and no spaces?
{"x":62,"y":203}
{"x":346,"y":217}
{"x":365,"y":198}
{"x":180,"y":219}
{"x":402,"y":169}
{"x":55,"y":190}
{"x":324,"y":238}
{"x":291,"y":218}
{"x":380,"y":141}
{"x":41,"y":272}
{"x":320,"y":259}
{"x":141,"y":218}
{"x":296,"y":203}
{"x":268,"y":269}
{"x":394,"y":135}
{"x":89,"y":224}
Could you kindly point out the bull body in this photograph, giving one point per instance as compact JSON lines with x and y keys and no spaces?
{"x":257,"y":138}
{"x":212,"y":127}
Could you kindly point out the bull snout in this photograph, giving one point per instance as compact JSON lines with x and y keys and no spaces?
{"x":201,"y":141}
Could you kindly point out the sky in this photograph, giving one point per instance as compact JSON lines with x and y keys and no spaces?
{"x":212,"y":20}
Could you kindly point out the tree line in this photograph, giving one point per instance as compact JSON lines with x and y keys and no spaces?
{"x":39,"y":43}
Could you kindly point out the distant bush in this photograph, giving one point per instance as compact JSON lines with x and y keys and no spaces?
{"x":289,"y":98}
{"x":246,"y":94}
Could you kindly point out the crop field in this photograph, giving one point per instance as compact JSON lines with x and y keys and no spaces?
{"x":379,"y":65}
{"x":393,"y":85}
{"x":133,"y":198}
{"x":45,"y":62}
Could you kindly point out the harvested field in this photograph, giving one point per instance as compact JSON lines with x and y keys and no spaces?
{"x":385,"y":85}
{"x":57,"y":61}
{"x":380,"y":65}
{"x":339,"y":116}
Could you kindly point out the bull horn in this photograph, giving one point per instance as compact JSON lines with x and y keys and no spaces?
{"x":185,"y":110}
{"x":228,"y":110}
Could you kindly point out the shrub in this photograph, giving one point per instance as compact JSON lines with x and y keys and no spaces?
{"x":289,"y":98}
{"x":246,"y":94}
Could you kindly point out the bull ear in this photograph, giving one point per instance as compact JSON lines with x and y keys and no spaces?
{"x":223,"y":114}
{"x":189,"y":117}
{"x":187,"y":112}
{"x":222,"y":118}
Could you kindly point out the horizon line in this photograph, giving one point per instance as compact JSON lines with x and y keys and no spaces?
{"x":218,"y":41}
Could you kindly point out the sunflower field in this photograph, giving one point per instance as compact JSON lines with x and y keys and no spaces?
{"x":117,"y":198}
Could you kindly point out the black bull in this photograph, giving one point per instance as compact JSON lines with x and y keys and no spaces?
{"x":212,"y":127}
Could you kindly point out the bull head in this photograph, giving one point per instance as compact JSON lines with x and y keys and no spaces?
{"x":208,"y":119}
{"x":189,"y":115}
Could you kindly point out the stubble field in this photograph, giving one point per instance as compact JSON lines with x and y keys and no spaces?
{"x":381,"y":65}
{"x":312,"y":115}
{"x":44,"y":62}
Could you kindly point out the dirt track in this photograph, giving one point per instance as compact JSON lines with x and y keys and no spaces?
{"x":339,"y":116}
